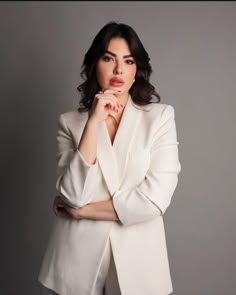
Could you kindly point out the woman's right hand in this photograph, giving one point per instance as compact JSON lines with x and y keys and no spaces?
{"x":104,"y":102}
{"x":58,"y":205}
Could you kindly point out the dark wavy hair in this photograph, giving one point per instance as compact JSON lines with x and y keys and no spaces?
{"x":142,"y":91}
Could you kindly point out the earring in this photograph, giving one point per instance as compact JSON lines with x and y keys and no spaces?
{"x":133,"y":80}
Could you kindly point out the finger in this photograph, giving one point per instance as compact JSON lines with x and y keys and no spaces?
{"x":105,"y":99}
{"x":109,"y":99}
{"x":113,"y":92}
{"x":58,"y":210}
{"x":57,"y":204}
{"x":55,"y":210}
{"x":108,"y":103}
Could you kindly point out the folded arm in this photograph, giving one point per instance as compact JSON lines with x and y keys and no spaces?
{"x":77,"y":179}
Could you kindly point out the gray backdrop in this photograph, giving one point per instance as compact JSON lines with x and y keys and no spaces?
{"x":192,"y":47}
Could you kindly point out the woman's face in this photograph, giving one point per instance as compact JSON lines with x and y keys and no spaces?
{"x":116,"y":69}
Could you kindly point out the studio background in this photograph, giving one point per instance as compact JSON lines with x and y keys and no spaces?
{"x":192,"y":47}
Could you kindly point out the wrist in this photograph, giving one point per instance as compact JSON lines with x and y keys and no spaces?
{"x":92,"y":122}
{"x":81,"y":213}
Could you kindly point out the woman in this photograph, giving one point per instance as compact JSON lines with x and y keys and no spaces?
{"x":117,"y":170}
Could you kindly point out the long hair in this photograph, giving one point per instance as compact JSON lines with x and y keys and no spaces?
{"x":142,"y":91}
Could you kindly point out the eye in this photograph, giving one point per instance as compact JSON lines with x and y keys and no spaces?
{"x":130,"y":61}
{"x":107,"y":58}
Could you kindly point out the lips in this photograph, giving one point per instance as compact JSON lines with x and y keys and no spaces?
{"x":116,"y":81}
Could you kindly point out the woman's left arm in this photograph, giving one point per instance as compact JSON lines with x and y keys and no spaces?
{"x":102,"y":210}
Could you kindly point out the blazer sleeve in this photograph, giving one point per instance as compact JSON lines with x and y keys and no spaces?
{"x":152,"y":197}
{"x":75,"y":178}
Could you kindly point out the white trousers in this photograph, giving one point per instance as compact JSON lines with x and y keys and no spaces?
{"x":107,"y":281}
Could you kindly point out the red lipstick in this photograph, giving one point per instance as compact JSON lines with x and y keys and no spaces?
{"x":115,"y":81}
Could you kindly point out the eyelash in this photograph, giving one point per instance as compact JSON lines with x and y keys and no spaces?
{"x":108,"y":58}
{"x":130,"y":61}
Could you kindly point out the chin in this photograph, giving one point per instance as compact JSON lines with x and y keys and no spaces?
{"x":119,"y":91}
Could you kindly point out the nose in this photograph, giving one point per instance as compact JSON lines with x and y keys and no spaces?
{"x":118,"y":68}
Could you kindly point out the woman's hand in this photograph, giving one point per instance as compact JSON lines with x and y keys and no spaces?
{"x":60,"y":206}
{"x":73,"y":212}
{"x":104,"y":102}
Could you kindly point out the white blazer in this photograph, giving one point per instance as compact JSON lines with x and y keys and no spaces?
{"x":140,"y":172}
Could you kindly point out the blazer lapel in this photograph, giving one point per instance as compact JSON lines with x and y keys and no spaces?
{"x":107,"y":159}
{"x":113,"y":158}
{"x":125,"y":136}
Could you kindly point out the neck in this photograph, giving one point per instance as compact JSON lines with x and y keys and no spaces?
{"x":123,"y":98}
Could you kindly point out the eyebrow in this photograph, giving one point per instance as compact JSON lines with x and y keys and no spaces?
{"x":113,"y":54}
